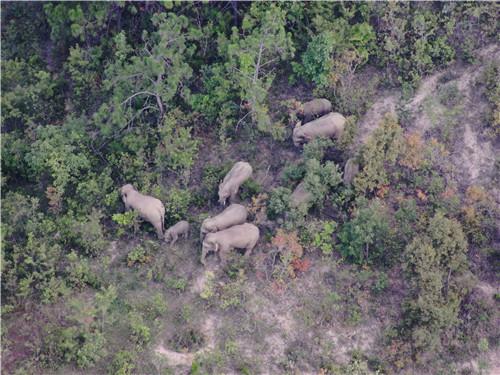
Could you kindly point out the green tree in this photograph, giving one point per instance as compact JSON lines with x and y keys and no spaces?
{"x":435,"y":264}
{"x":378,"y":155}
{"x":367,"y":237}
{"x":253,"y":54}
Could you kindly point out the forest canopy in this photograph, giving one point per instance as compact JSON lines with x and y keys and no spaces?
{"x":167,"y":96}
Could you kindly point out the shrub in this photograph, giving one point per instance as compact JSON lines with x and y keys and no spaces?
{"x":177,"y":204}
{"x":279,"y":202}
{"x":316,"y":148}
{"x":79,"y":273}
{"x":140,"y":332}
{"x":367,"y":236}
{"x":249,"y":189}
{"x":435,"y":265}
{"x":177,"y":149}
{"x":138,"y":256}
{"x":320,"y":179}
{"x":293,"y":172}
{"x":122,"y":364}
{"x":323,"y":239}
{"x":378,"y":155}
{"x":128,"y":222}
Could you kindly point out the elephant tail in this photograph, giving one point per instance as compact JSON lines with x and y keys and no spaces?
{"x":162,"y":215}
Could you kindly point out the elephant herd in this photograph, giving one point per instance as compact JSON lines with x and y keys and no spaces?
{"x":229,"y":230}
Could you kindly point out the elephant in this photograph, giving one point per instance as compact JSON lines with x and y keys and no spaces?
{"x":315,"y":108}
{"x":238,"y":174}
{"x":173,"y":233}
{"x":300,"y":196}
{"x":149,"y":208}
{"x":244,"y":236}
{"x":330,"y":125}
{"x":232,"y":215}
{"x":351,"y":169}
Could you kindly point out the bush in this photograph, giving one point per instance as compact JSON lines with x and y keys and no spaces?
{"x":140,"y":332}
{"x":122,"y":364}
{"x":279,"y":202}
{"x":435,"y":264}
{"x":323,"y":239}
{"x":317,"y":148}
{"x":320,"y":179}
{"x":177,"y":205}
{"x":378,"y":155}
{"x":293,"y":173}
{"x":367,"y":237}
{"x":249,"y":189}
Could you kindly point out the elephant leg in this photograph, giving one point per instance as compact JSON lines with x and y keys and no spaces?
{"x":248,"y":251}
{"x":203,"y":256}
{"x":159,"y":231}
{"x":174,"y":238}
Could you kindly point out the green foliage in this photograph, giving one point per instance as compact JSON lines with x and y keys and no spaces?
{"x":127,"y":222}
{"x":435,"y":263}
{"x":252,"y":53}
{"x":317,"y":148}
{"x":293,"y":172}
{"x":86,"y":234}
{"x":323,"y":239}
{"x":79,"y":272}
{"x":122,"y":364}
{"x":178,"y":284}
{"x":177,"y":149}
{"x":73,"y":344}
{"x":249,"y":189}
{"x":140,"y":332}
{"x":279,"y":202}
{"x":29,"y":95}
{"x":320,"y":179}
{"x":137,"y":255}
{"x":177,"y":205}
{"x":491,"y":78}
{"x":367,"y":237}
{"x":336,"y":38}
{"x":413,"y":41}
{"x":378,"y":155}
{"x":57,"y":152}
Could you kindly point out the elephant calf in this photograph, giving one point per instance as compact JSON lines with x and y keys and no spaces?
{"x":233,"y":215}
{"x":315,"y":108}
{"x":244,"y":236}
{"x":149,"y":208}
{"x":330,"y":125}
{"x":179,"y":229}
{"x":238,"y":174}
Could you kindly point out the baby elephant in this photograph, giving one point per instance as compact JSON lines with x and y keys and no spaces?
{"x":173,"y":233}
{"x":244,"y":236}
{"x":233,"y":215}
{"x":149,"y":208}
{"x":315,"y":108}
{"x":238,"y":174}
{"x":328,"y":126}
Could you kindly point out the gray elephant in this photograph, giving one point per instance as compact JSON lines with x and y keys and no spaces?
{"x":239,"y":173}
{"x":177,"y":230}
{"x":232,"y":215}
{"x":300,"y":196}
{"x":244,"y":236}
{"x":149,"y":208}
{"x":330,"y":125}
{"x":351,"y":169}
{"x":315,"y":108}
